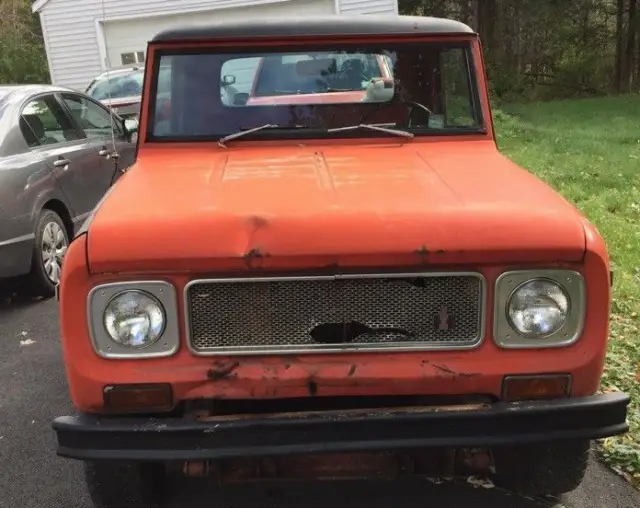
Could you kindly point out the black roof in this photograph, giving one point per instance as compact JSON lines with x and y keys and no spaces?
{"x":317,"y":26}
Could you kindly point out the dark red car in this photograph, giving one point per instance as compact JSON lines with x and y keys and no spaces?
{"x":119,"y":89}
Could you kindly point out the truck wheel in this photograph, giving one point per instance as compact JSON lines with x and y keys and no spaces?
{"x":542,"y":469}
{"x":50,"y":245}
{"x":125,"y":484}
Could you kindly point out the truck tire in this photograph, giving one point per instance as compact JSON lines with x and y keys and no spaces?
{"x":125,"y":484}
{"x":50,"y":244}
{"x":552,"y":468}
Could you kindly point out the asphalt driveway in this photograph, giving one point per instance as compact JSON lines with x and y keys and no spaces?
{"x":31,"y":476}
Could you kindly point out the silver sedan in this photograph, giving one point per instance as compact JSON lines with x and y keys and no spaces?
{"x":57,"y":160}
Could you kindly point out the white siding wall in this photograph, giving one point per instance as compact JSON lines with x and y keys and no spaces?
{"x":126,"y":36}
{"x":71,"y":39}
{"x":69,"y":28}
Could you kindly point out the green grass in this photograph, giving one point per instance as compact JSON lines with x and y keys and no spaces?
{"x":589,"y":150}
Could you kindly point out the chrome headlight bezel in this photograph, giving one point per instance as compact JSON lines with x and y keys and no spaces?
{"x":571,"y":282}
{"x":163,"y":292}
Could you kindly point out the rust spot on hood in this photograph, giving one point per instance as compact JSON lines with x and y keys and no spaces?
{"x":256,"y":223}
{"x":422,"y":251}
{"x":254,"y":255}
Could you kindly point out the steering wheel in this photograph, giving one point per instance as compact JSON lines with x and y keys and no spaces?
{"x":410,"y":105}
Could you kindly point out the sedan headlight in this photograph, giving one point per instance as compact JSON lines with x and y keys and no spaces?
{"x":134,"y":319}
{"x":538,"y":308}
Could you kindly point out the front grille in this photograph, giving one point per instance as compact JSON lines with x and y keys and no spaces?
{"x":276,"y":315}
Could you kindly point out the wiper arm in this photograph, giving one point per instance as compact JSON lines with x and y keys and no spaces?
{"x":243,"y":132}
{"x":379,"y":127}
{"x":222,"y":141}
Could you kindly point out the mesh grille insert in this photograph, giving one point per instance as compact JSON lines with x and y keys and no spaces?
{"x":277,"y":315}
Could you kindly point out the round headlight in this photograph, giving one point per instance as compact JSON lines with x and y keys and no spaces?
{"x":134,"y":319}
{"x":538,"y":308}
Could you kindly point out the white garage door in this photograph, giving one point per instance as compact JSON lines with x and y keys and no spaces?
{"x":126,"y":41}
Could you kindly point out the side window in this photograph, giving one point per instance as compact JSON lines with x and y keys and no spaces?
{"x":455,"y":80}
{"x":94,"y":119}
{"x":164,"y":81}
{"x":43,"y":122}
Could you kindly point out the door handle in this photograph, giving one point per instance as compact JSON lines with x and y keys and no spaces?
{"x":104,"y":152}
{"x":61,"y":163}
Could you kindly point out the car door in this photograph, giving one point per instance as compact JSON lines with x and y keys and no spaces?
{"x":67,"y":152}
{"x":104,"y":130}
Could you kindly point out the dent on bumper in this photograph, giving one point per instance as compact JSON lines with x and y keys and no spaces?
{"x":94,"y":438}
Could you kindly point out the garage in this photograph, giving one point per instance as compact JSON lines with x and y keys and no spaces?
{"x":83,"y":41}
{"x":126,"y":40}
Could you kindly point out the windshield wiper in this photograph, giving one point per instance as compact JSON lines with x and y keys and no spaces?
{"x":378,"y":127}
{"x":243,"y":132}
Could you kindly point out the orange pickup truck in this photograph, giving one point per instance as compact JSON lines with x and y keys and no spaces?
{"x":320,"y":288}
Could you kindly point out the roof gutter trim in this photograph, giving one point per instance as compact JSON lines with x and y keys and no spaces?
{"x":327,"y":26}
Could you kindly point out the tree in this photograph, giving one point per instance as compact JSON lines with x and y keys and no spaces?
{"x":550,"y":48}
{"x":631,"y":46}
{"x":619,"y":45}
{"x":22,"y":55}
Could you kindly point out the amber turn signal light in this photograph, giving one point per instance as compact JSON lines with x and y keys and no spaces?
{"x":544,"y":386}
{"x":138,"y":398}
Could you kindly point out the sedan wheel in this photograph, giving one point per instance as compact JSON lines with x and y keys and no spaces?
{"x":53,"y":248}
{"x":49,"y":249}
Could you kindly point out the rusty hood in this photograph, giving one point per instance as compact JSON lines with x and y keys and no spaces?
{"x":205,"y":209}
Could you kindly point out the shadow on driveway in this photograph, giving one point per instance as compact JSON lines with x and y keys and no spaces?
{"x":14,"y":298}
{"x":410,"y":493}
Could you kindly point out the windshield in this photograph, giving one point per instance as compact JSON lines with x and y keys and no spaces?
{"x":423,"y":88}
{"x":117,"y":86}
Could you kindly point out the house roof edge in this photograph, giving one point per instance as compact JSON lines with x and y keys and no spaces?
{"x":37,"y":5}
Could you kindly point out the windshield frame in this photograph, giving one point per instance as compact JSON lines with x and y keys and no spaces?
{"x":240,"y":50}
